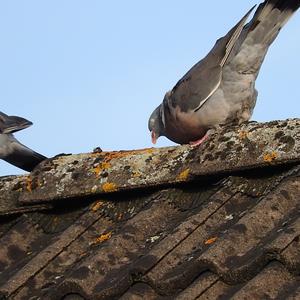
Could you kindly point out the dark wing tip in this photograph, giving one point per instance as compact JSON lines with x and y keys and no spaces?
{"x":10,"y":124}
{"x":25,"y":159}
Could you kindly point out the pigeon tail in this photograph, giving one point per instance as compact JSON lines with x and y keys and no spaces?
{"x":259,"y":33}
{"x":269,"y":18}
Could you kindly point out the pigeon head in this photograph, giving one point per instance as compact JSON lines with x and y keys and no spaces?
{"x":156,"y":125}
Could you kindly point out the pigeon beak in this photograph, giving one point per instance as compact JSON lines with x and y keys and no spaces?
{"x":153,"y":137}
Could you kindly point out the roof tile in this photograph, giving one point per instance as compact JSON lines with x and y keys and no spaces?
{"x":105,"y":172}
{"x":223,"y":232}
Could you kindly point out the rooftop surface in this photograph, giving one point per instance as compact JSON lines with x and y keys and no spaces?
{"x":220,"y":221}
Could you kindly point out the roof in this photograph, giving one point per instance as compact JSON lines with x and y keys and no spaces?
{"x":220,"y":221}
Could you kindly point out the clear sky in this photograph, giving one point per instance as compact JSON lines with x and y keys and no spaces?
{"x":89,"y":73}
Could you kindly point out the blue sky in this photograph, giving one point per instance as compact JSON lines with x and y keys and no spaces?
{"x":89,"y":73}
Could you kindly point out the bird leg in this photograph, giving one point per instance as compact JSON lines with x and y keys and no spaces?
{"x":200,"y":141}
{"x":205,"y":137}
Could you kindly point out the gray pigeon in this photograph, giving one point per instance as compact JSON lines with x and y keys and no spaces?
{"x":220,"y":89}
{"x":11,"y":150}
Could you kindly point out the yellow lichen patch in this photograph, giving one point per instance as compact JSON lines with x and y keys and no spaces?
{"x":119,"y":154}
{"x":210,"y":241}
{"x":183,"y":176}
{"x":105,"y":165}
{"x":269,"y":157}
{"x":136,"y":174}
{"x":97,"y":170}
{"x":96,"y":206}
{"x":29,"y":184}
{"x":103,"y":237}
{"x":100,"y":167}
{"x":243,"y":134}
{"x":109,"y":187}
{"x":108,"y":156}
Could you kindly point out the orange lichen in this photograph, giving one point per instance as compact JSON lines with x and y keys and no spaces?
{"x":243,"y":134}
{"x":183,"y":176}
{"x":105,"y":165}
{"x":97,"y":154}
{"x":100,"y":167}
{"x":119,"y":154}
{"x":136,"y":174}
{"x":210,"y":241}
{"x":102,"y":238}
{"x":96,"y":206}
{"x":269,"y":157}
{"x":97,"y":170}
{"x":108,"y":156}
{"x":29,"y":184}
{"x":109,"y":187}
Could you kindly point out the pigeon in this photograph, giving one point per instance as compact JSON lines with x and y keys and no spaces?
{"x":11,"y":150}
{"x":220,"y":89}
